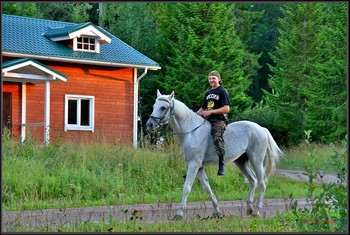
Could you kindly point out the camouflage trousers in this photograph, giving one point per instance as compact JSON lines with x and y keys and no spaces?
{"x":218,"y":128}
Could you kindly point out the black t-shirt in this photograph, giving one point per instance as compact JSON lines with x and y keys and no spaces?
{"x":215,"y":99}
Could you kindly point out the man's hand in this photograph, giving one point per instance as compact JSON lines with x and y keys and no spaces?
{"x":200,"y":112}
{"x":205,"y":113}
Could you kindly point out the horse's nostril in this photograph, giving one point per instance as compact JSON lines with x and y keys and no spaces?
{"x":149,"y":124}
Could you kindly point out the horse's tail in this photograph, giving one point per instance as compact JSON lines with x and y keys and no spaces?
{"x":273,"y":154}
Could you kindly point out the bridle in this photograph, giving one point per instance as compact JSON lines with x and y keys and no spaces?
{"x":170,"y":108}
{"x":158,"y":120}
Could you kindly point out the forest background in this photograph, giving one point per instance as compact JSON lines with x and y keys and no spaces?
{"x":284,"y":64}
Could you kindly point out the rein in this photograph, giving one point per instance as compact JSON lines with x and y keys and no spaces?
{"x":159,"y":119}
{"x":186,"y":132}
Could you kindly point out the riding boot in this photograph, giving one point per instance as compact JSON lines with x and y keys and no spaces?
{"x":222,"y":170}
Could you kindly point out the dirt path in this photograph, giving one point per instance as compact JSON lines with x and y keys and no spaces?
{"x":147,"y":212}
{"x":300,"y":175}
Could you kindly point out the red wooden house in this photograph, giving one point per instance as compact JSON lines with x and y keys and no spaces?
{"x":76,"y":82}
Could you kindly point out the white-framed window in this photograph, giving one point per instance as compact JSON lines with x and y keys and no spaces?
{"x":79,"y":113}
{"x":88,"y":44}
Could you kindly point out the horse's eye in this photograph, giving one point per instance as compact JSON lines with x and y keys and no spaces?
{"x":162,"y":108}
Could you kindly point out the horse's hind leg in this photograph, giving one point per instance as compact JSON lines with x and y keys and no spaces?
{"x":262,"y":182}
{"x":202,"y":176}
{"x":242,"y":164}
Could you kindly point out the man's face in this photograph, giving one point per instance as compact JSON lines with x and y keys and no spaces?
{"x":214,"y":81}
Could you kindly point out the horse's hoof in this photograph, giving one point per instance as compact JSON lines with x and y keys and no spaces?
{"x":256,"y":214}
{"x":249,"y":211}
{"x":218,"y":215}
{"x":177,"y":217}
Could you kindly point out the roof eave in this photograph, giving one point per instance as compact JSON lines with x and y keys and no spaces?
{"x":91,"y":30}
{"x":60,"y":38}
{"x":63,"y":59}
{"x":52,"y":74}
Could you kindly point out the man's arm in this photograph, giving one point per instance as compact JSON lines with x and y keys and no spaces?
{"x":223,"y":110}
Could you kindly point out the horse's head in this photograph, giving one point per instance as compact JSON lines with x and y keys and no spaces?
{"x":162,"y":111}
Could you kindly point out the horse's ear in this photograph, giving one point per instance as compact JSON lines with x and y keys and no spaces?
{"x":172,"y":95}
{"x":158,"y":93}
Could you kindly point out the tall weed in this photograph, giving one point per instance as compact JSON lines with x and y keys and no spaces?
{"x":35,"y":176}
{"x":326,"y":211}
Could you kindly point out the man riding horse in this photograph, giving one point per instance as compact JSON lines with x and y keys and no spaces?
{"x":215,"y":107}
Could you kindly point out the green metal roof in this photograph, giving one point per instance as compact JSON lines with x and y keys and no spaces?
{"x":36,"y":71}
{"x":63,"y":31}
{"x":10,"y":63}
{"x":31,"y":37}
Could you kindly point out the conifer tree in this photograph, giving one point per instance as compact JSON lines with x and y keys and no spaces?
{"x":326,"y":94}
{"x":294,"y":65}
{"x":264,"y":40}
{"x":71,"y":12}
{"x":247,"y":19}
{"x":28,"y":9}
{"x":132,"y":23}
{"x":196,"y":38}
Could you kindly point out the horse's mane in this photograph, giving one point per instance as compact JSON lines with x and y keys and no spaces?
{"x":183,"y":108}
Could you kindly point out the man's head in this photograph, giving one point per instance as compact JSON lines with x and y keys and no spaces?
{"x":214,"y":79}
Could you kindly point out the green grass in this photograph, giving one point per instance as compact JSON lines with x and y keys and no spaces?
{"x":71,"y":175}
{"x":225,"y":224}
{"x":296,"y":157}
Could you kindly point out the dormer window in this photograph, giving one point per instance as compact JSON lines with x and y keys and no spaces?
{"x":88,"y":44}
{"x":85,"y":37}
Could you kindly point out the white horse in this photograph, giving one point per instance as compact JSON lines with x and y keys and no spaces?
{"x":245,"y":142}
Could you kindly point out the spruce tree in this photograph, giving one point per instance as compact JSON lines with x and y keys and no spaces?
{"x":131,"y":23}
{"x":326,"y":96}
{"x":21,"y":9}
{"x":70,"y":12}
{"x":293,"y":59}
{"x":196,"y":38}
{"x":247,"y":20}
{"x":264,"y":40}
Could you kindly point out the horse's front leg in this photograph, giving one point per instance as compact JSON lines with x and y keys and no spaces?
{"x":191,"y":175}
{"x":202,"y":176}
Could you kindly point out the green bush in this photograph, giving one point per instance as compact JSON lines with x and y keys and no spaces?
{"x":265,"y":116}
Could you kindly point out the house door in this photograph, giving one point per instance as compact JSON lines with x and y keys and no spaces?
{"x":7,"y":110}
